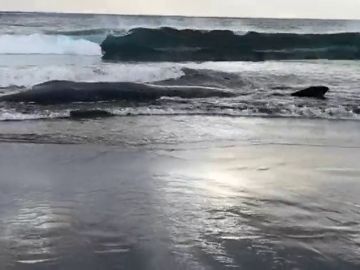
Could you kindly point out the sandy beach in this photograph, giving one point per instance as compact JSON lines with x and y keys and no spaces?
{"x":263,"y":194}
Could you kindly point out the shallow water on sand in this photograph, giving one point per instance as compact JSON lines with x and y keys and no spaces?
{"x":210,"y":205}
{"x":179,"y":183}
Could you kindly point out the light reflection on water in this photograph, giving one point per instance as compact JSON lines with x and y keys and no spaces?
{"x":35,"y":230}
{"x":256,"y":207}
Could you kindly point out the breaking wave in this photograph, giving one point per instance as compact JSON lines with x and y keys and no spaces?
{"x":168,"y":44}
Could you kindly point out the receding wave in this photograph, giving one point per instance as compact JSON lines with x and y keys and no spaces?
{"x":168,"y":44}
{"x":242,"y":110}
{"x":47,"y":44}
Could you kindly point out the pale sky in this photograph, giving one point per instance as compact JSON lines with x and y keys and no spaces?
{"x":344,"y":9}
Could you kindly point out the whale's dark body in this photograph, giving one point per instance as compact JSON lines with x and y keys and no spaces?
{"x":57,"y":92}
{"x":313,"y":92}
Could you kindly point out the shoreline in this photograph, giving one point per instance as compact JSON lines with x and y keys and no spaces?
{"x":154,"y":131}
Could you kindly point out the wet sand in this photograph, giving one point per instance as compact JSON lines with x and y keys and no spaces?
{"x":217,"y":204}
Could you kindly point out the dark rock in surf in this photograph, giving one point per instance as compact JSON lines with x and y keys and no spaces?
{"x":58,"y":92}
{"x":312,"y":92}
{"x":83,"y":114}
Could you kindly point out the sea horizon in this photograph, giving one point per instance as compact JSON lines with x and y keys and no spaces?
{"x":178,"y":16}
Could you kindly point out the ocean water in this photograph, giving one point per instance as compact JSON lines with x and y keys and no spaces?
{"x":37,"y":48}
{"x":208,"y":161}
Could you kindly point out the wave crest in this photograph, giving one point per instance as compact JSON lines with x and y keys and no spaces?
{"x":168,"y":44}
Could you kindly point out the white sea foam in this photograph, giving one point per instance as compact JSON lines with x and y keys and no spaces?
{"x":30,"y":75}
{"x":338,"y":112}
{"x":47,"y":44}
{"x":12,"y":115}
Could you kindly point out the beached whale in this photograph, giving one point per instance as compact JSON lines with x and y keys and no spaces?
{"x":313,"y":91}
{"x":57,"y":92}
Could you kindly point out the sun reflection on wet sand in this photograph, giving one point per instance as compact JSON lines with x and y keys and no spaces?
{"x":250,"y":195}
{"x":34,"y":231}
{"x":245,"y":207}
